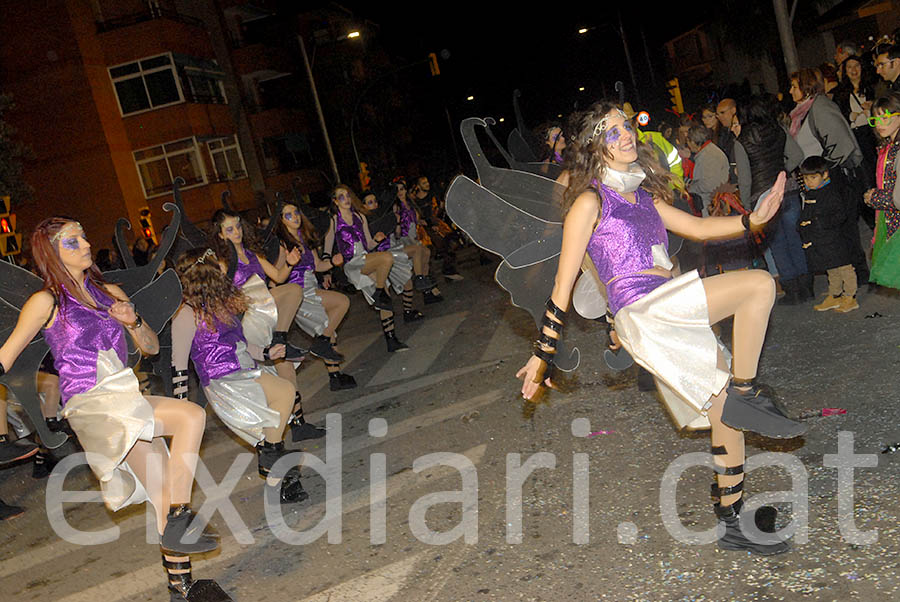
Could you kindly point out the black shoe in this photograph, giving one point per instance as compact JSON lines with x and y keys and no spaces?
{"x":183,"y":588}
{"x":8,"y":511}
{"x":791,"y":292}
{"x":300,"y":431}
{"x":179,"y":528}
{"x":423,"y":283}
{"x":322,"y":348}
{"x":412,"y":315}
{"x":43,"y":464}
{"x":763,"y":544}
{"x":13,"y":451}
{"x":291,"y":353}
{"x":431,"y":297}
{"x":290,"y":490}
{"x":338,"y":381}
{"x":754,"y":410}
{"x":382,"y":301}
{"x":393,"y":343}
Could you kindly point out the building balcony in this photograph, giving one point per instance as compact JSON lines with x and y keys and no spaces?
{"x":151,"y":14}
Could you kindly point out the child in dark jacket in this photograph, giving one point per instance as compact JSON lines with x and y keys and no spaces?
{"x":822,"y":228}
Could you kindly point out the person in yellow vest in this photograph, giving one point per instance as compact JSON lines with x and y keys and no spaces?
{"x":666,"y":152}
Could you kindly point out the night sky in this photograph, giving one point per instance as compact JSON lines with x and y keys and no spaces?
{"x":494,"y":50}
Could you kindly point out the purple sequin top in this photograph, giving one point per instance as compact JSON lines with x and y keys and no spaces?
{"x":77,"y":336}
{"x":348,"y":234}
{"x":621,"y":245}
{"x":407,"y":220}
{"x":245,"y":270}
{"x":214,"y":352}
{"x":307,"y":262}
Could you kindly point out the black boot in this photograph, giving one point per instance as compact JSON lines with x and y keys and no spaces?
{"x":179,"y":528}
{"x":300,"y":428}
{"x":805,"y":288}
{"x":412,"y":315}
{"x":764,"y":543}
{"x":291,"y":353}
{"x":290,"y":490}
{"x":432,"y":298}
{"x":338,"y":381}
{"x":753,"y":409}
{"x":382,"y":301}
{"x":43,"y":464}
{"x":393,"y":343}
{"x":322,"y":348}
{"x":423,"y":283}
{"x":791,"y":292}
{"x":183,"y":588}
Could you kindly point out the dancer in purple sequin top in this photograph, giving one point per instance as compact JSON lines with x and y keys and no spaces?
{"x":665,"y":322}
{"x":407,"y":233}
{"x":84,"y":321}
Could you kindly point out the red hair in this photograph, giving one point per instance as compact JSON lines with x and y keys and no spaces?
{"x":50,"y":265}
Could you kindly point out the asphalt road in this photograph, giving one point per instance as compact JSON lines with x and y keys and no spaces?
{"x":591,"y":523}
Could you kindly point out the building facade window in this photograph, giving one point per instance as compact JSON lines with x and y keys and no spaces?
{"x":165,"y":80}
{"x":158,"y":166}
{"x":146,"y":84}
{"x":226,"y":157}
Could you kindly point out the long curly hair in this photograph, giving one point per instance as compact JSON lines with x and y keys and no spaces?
{"x":50,"y":266}
{"x":207,"y":290}
{"x":310,"y":238}
{"x":221,"y":245}
{"x":589,"y":155}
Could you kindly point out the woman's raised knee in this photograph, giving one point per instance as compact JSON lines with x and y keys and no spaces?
{"x":763,"y":285}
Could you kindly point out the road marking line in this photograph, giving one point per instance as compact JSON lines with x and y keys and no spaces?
{"x":379,"y":585}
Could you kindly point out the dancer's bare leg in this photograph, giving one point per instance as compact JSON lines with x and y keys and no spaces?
{"x":287,"y":299}
{"x":336,"y":306}
{"x":732,"y":440}
{"x":378,"y":265}
{"x":748,"y":295}
{"x":279,"y":397}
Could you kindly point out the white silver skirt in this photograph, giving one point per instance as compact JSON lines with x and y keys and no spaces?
{"x":668,"y":333}
{"x":259,"y":320}
{"x":400,"y":273}
{"x":240,"y":402}
{"x":108,"y":420}
{"x":311,"y":316}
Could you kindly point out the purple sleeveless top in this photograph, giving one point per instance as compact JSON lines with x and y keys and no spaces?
{"x":407,"y":220}
{"x":214,"y":352}
{"x":307,"y":262}
{"x":348,"y":234}
{"x":245,"y":270}
{"x":621,"y":245}
{"x":76,"y":337}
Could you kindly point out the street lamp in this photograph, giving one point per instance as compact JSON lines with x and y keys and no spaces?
{"x":470,"y":98}
{"x":581,"y":89}
{"x":315,"y":94}
{"x":583,"y":30}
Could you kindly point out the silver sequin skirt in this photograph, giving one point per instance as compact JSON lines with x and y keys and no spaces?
{"x":240,"y":402}
{"x":668,"y":333}
{"x":399,"y":275}
{"x":259,"y":320}
{"x":108,"y":420}
{"x":311,"y":316}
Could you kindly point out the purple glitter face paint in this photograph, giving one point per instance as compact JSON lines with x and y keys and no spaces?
{"x":290,"y":216}
{"x":70,"y":243}
{"x":612,"y":136}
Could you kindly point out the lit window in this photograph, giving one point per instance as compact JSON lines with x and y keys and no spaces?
{"x":158,"y":166}
{"x":227,"y":159}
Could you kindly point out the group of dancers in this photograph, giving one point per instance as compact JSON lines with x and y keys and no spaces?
{"x":232,"y":324}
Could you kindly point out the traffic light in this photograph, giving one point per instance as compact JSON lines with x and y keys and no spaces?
{"x":433,"y":64}
{"x":10,"y":242}
{"x":365,"y":181}
{"x":675,"y":95}
{"x":147,"y":225}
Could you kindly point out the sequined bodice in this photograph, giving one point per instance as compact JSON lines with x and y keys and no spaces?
{"x":214,"y":352}
{"x":76,"y":337}
{"x":407,"y":220}
{"x":348,"y":234}
{"x":307,"y":263}
{"x":245,"y":270}
{"x":621,"y":245}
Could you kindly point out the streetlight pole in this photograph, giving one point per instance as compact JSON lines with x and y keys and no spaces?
{"x":315,"y":94}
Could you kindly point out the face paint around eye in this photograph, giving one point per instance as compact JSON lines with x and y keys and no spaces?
{"x":612,"y":136}
{"x":70,"y":243}
{"x":289,"y":216}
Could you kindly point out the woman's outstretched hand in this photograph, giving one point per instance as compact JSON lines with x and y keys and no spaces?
{"x":529,"y":371}
{"x":123,"y":312}
{"x":768,"y":205}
